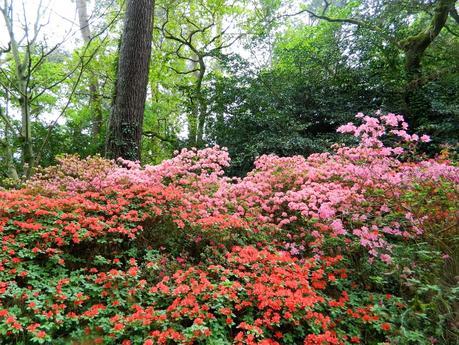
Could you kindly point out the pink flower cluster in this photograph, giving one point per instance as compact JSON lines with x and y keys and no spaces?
{"x":373,"y":129}
{"x":346,"y":194}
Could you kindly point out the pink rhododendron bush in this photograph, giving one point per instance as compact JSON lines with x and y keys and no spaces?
{"x":356,"y":246}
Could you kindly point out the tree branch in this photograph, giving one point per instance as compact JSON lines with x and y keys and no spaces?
{"x":183,"y":72}
{"x":151,"y":134}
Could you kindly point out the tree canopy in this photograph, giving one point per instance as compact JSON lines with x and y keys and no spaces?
{"x":254,"y":76}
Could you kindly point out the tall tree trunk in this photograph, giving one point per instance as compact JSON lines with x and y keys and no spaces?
{"x":126,"y":120}
{"x":26,"y":134}
{"x":192,"y":116}
{"x":94,"y":96}
{"x":196,"y":118}
{"x":192,"y":120}
{"x":11,"y":171}
{"x":22,"y":86}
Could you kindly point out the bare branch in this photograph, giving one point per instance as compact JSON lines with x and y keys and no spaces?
{"x":151,"y":134}
{"x":5,"y":50}
{"x":68,"y":75}
{"x":83,"y":64}
{"x":217,"y":37}
{"x":357,"y":22}
{"x":183,"y":72}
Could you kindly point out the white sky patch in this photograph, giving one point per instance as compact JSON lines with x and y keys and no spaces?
{"x":60,"y":26}
{"x":58,"y":23}
{"x":58,"y":19}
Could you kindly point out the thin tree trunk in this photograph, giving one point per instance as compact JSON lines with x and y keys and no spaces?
{"x":218,"y":69}
{"x":196,"y":118}
{"x":126,"y":120}
{"x":22,"y":85}
{"x":94,"y":97}
{"x":26,"y":134}
{"x":202,"y":106}
{"x":192,"y":117}
{"x":11,"y":168}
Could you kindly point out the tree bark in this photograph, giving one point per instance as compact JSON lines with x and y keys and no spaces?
{"x":202,"y":111}
{"x":126,"y":120}
{"x":414,"y":48}
{"x":197,"y":116}
{"x":94,"y":97}
{"x":218,"y":68}
{"x":22,"y":79}
{"x":8,"y":156}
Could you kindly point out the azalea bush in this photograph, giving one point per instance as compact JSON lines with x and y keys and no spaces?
{"x":355,"y":246}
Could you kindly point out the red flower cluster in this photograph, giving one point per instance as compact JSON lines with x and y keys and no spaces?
{"x":298,"y":251}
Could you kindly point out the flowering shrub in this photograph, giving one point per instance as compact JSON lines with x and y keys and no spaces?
{"x":353,"y":246}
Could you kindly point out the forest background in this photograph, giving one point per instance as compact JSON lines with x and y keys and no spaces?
{"x":265,"y":76}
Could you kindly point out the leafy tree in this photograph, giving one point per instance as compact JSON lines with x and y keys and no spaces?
{"x":323,"y":70}
{"x":410,"y":28}
{"x":197,"y":37}
{"x":40,"y":82}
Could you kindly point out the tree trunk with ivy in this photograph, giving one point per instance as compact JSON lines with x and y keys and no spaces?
{"x":126,"y":120}
{"x":414,"y":48}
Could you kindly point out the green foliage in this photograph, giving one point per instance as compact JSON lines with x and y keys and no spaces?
{"x":321,"y":73}
{"x":276,"y":80}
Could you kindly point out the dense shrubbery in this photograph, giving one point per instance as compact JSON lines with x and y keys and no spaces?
{"x":352,"y":247}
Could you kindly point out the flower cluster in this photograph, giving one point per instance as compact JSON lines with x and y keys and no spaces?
{"x":301,"y":250}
